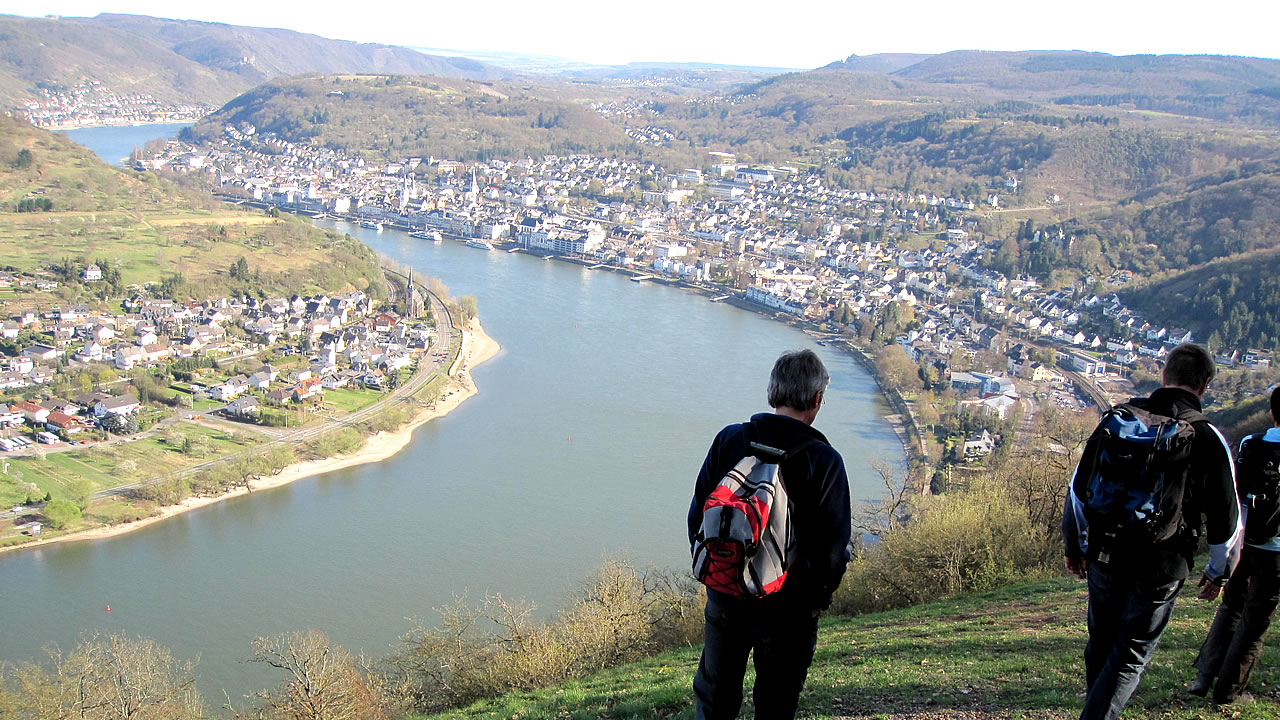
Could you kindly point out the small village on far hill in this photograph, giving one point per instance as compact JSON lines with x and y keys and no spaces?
{"x":91,"y":104}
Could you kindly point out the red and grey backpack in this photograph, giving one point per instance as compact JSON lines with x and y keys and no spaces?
{"x":746,"y":543}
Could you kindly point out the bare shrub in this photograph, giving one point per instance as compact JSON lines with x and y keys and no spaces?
{"x":483,"y":651}
{"x":322,"y":681}
{"x":108,"y":677}
{"x":1004,"y":526}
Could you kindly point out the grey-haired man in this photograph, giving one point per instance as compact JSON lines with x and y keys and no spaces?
{"x":781,"y":628}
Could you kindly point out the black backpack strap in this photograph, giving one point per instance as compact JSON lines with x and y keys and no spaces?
{"x":769,"y":453}
{"x":1247,"y":445}
{"x":1192,"y":416}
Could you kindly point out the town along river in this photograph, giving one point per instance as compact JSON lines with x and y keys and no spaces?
{"x":582,"y":444}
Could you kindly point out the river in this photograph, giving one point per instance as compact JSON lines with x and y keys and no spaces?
{"x":581,"y":445}
{"x":113,"y":143}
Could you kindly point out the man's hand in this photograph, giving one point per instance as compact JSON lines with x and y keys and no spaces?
{"x":1208,"y":589}
{"x":1078,"y":567}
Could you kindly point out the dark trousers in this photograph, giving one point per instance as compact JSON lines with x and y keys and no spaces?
{"x":1126,"y":618}
{"x":1234,"y":643}
{"x":783,"y":636}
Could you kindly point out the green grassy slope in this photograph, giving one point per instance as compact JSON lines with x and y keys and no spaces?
{"x":151,"y":229}
{"x":1012,"y":653}
{"x":74,"y":179}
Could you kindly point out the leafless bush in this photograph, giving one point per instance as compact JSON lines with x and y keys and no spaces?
{"x":107,"y":677}
{"x":1002,"y":527}
{"x":322,"y":681}
{"x":483,"y":651}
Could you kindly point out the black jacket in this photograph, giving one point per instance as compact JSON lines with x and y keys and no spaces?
{"x":1209,"y":498}
{"x":819,"y":491}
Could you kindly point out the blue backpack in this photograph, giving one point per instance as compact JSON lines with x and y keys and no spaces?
{"x":1139,"y":472}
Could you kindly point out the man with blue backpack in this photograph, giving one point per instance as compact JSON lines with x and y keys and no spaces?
{"x":1153,"y":472}
{"x":769,"y":529}
{"x":1235,"y":640}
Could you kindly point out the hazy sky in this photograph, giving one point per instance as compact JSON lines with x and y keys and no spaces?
{"x":792,"y":33}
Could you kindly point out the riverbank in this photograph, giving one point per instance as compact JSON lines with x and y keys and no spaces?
{"x":62,"y":127}
{"x":477,"y":348}
{"x":900,"y":418}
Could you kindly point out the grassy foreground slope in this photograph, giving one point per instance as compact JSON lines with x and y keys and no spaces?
{"x":1011,"y":653}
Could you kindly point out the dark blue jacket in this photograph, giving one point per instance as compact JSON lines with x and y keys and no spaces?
{"x":819,"y":491}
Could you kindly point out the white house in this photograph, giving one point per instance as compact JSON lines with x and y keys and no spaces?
{"x":127,"y":357}
{"x":120,"y":405}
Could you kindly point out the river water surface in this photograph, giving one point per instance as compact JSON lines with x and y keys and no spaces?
{"x":582,"y":445}
{"x":115,"y":142}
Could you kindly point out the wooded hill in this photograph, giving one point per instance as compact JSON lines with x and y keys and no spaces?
{"x":62,"y":208}
{"x":1205,"y":252}
{"x":1084,"y":126}
{"x":1234,"y":302}
{"x":189,"y":61}
{"x":391,"y":117}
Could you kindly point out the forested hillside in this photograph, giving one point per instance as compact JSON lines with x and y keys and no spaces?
{"x":1080,"y":126}
{"x":1229,"y":303}
{"x":1217,"y":216}
{"x":1209,"y":86}
{"x":391,"y":117}
{"x":52,"y":53}
{"x":259,"y":54}
{"x":1175,"y":226}
{"x":185,"y":61}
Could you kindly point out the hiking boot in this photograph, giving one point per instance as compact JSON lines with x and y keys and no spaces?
{"x":1243,"y":698}
{"x":1200,"y":686}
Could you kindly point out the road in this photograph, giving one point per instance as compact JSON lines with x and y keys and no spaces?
{"x":1022,"y":434}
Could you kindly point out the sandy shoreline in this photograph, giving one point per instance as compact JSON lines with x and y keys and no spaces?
{"x":477,"y":347}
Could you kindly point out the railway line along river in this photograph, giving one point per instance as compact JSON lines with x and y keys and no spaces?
{"x":583,"y":443}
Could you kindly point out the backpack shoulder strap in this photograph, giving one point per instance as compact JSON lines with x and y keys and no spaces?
{"x":1248,"y":444}
{"x":1192,"y":416}
{"x":1188,"y":415}
{"x":769,"y":453}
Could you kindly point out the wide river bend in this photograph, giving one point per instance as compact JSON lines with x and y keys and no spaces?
{"x":581,"y":445}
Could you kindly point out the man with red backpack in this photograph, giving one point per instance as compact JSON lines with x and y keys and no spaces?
{"x":769,"y":528}
{"x":1235,"y":640}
